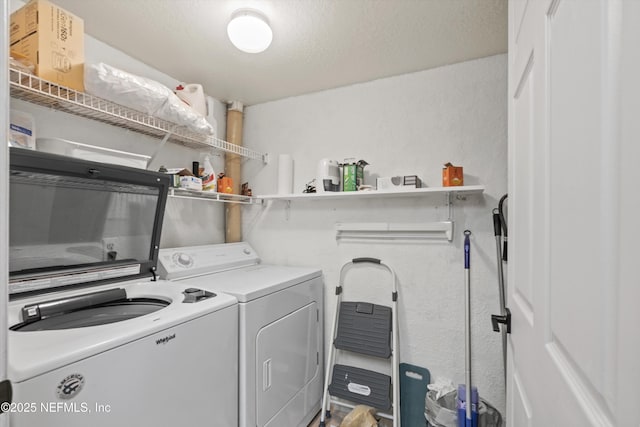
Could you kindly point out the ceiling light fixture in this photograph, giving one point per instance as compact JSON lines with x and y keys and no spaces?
{"x":249,"y":31}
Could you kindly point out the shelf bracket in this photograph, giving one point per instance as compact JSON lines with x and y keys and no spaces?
{"x":287,"y":210}
{"x":160,"y":146}
{"x":449,"y":197}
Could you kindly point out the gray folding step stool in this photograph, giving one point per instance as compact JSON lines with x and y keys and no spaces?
{"x":368,"y":329}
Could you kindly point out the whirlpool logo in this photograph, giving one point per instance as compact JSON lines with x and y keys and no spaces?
{"x":70,"y":386}
{"x":165,"y":339}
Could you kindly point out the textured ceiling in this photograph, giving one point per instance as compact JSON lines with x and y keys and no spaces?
{"x":317,"y":44}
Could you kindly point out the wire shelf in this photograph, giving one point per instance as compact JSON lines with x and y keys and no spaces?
{"x":183,"y":193}
{"x":30,"y":88}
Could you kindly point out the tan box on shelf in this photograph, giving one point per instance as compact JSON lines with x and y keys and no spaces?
{"x":23,"y":22}
{"x":452,"y":176}
{"x":225,"y":185}
{"x":52,"y":39}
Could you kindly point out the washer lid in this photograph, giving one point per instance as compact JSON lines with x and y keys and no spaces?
{"x":75,"y":222}
{"x":103,"y":314}
{"x":249,"y":283}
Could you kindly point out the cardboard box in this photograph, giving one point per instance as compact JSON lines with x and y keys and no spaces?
{"x":176,"y":175}
{"x":452,"y":176}
{"x":51,"y":38}
{"x":225,"y":185}
{"x":353,"y":174}
{"x":23,"y":22}
{"x":191,"y":183}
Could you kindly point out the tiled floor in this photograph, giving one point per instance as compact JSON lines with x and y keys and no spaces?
{"x":334,"y":421}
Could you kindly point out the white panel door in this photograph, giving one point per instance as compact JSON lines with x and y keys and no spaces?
{"x":4,"y":196}
{"x":574,"y":145}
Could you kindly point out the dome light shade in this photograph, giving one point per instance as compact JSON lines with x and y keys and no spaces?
{"x":249,"y":31}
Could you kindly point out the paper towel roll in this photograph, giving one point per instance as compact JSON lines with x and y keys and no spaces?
{"x":285,"y":174}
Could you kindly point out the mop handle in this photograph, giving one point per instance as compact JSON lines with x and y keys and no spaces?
{"x":497,"y":224}
{"x":503,"y":222}
{"x":497,"y":231}
{"x":467,"y":249}
{"x":467,"y":265}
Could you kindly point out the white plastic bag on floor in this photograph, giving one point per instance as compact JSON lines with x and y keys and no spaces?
{"x":442,"y":411}
{"x":360,"y":416}
{"x":144,"y":95}
{"x":441,"y":386}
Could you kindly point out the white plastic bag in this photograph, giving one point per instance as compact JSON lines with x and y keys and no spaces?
{"x":360,"y":416}
{"x":441,"y":386}
{"x":442,"y":411}
{"x":142,"y":94}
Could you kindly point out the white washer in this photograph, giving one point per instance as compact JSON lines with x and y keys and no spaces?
{"x":175,"y":366}
{"x":281,"y":324}
{"x":95,"y":340}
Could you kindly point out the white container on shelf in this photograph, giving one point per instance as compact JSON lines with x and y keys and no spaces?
{"x":285,"y":174}
{"x":193,"y":95}
{"x":210,"y":104}
{"x":22,"y":130}
{"x":91,"y":152}
{"x":329,"y":171}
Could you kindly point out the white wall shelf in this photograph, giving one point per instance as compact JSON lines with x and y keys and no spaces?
{"x":448,"y":192}
{"x":211,"y":196}
{"x":353,"y":195}
{"x":248,"y":200}
{"x":37,"y":91}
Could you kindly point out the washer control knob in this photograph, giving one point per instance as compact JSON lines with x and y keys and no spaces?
{"x":246,"y":251}
{"x":183,"y":260}
{"x":195,"y":292}
{"x":192,"y":295}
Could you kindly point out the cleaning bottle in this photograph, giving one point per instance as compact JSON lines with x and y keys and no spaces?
{"x":461,"y":405}
{"x":209,"y":180}
{"x":211,"y":118}
{"x":193,"y":95}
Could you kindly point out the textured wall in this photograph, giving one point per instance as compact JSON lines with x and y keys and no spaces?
{"x":409,"y":124}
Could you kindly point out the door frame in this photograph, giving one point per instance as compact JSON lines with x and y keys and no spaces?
{"x":4,"y":196}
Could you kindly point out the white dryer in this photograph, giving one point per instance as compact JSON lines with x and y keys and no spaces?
{"x":95,"y":339}
{"x":281,"y":328}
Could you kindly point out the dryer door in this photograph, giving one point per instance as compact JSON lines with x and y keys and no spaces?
{"x":287,"y":353}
